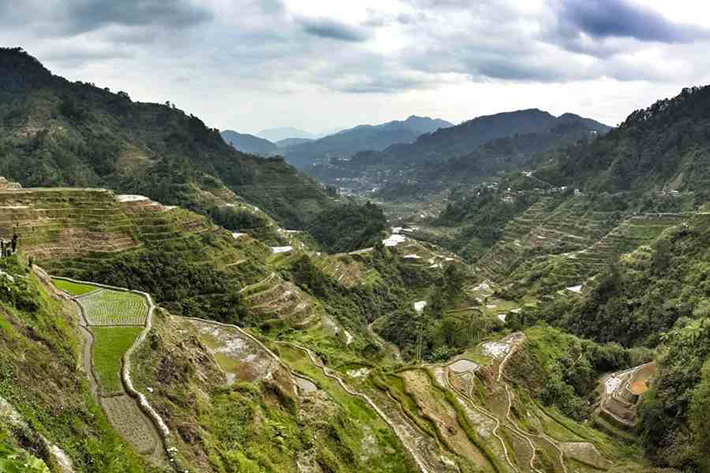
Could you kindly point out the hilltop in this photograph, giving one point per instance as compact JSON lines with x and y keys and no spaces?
{"x":662,"y":148}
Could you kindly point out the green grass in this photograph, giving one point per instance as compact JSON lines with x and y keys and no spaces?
{"x":73,"y":288}
{"x":110,"y":344}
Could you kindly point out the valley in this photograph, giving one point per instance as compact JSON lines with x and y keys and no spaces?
{"x":519,"y":293}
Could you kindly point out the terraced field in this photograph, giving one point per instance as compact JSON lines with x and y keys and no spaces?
{"x":110,"y":344}
{"x":620,"y":394}
{"x":464,"y":416}
{"x":547,"y":250}
{"x":275,"y":299}
{"x":112,"y":321}
{"x":106,"y":307}
{"x":71,"y":231}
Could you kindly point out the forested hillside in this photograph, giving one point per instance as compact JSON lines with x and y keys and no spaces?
{"x":661,"y":148}
{"x":58,"y":133}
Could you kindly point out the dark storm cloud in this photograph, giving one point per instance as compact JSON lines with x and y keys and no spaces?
{"x":61,"y":19}
{"x":603,"y":19}
{"x":332,"y":29}
{"x":89,"y":15}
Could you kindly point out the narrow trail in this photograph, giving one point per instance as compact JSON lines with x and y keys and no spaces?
{"x":266,"y":279}
{"x":327,"y":372}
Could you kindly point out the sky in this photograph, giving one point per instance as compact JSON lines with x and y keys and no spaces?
{"x":322,"y":65}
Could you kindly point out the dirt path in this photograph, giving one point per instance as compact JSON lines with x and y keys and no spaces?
{"x":395,"y":428}
{"x":266,"y":279}
{"x":328,"y":374}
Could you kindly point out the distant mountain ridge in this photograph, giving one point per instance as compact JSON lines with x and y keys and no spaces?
{"x":251,"y":144}
{"x":360,"y":138}
{"x":465,"y":153}
{"x":285,"y":143}
{"x":465,"y":138}
{"x":282,"y":133}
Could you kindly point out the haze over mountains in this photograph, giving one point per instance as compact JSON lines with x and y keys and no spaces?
{"x":282,"y":133}
{"x":477,"y":148}
{"x":251,"y":144}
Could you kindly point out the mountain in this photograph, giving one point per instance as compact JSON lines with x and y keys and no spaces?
{"x":466,"y":153}
{"x":58,"y":133}
{"x":465,"y":138}
{"x":249,"y":143}
{"x":282,"y":133}
{"x":363,"y":137}
{"x":661,"y":148}
{"x":285,"y":143}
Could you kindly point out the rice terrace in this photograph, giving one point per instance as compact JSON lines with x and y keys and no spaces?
{"x":415,"y":236}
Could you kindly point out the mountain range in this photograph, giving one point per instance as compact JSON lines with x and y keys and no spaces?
{"x":360,"y":138}
{"x":468,"y":152}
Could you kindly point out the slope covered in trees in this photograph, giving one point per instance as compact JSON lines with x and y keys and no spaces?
{"x":663,"y":147}
{"x":58,"y":133}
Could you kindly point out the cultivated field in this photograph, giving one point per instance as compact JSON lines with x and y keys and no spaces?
{"x":110,"y":344}
{"x":115,"y":308}
{"x":73,"y":288}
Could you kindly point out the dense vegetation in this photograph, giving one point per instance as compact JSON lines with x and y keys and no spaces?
{"x":349,"y":227}
{"x":664,"y":147}
{"x":58,"y":133}
{"x":182,"y":286}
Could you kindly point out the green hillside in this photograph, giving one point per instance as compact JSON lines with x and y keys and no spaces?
{"x":58,"y":133}
{"x":661,"y":148}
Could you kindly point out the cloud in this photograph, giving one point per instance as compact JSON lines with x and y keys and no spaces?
{"x":89,"y":15}
{"x":332,"y":29}
{"x":603,"y":19}
{"x":237,"y":53}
